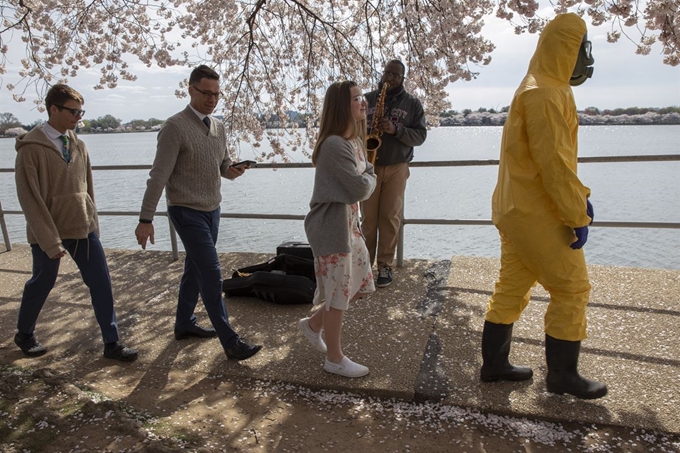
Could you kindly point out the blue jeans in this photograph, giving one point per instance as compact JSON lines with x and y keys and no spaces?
{"x":202,"y":271}
{"x":88,"y":254}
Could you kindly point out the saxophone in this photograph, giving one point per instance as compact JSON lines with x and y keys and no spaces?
{"x":373,"y":140}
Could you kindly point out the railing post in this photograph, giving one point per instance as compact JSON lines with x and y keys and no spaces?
{"x":5,"y":233}
{"x":400,"y":241}
{"x":173,"y":240}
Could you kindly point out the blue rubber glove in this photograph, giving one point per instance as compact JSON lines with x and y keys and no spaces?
{"x":582,"y":232}
{"x":582,"y":237}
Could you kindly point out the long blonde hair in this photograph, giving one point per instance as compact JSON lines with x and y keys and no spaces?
{"x":336,"y":116}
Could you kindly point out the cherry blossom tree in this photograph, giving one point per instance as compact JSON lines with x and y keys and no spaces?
{"x":279,"y":55}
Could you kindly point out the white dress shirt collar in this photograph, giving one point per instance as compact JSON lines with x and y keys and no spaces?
{"x":199,"y":114}
{"x":53,"y":135}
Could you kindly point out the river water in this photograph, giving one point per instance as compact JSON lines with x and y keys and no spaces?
{"x":646,"y":192}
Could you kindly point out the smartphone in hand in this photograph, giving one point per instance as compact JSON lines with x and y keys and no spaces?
{"x":246,"y":163}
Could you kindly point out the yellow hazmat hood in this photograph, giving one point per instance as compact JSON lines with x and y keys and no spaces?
{"x":558,"y":47}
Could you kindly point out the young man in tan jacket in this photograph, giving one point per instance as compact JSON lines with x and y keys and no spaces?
{"x":55,"y":190}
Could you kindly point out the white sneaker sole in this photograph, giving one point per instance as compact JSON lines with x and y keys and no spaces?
{"x":346,"y":368}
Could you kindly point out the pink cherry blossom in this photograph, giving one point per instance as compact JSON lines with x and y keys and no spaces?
{"x":279,"y":56}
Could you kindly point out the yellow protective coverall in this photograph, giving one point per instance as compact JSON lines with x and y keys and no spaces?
{"x":538,"y":198}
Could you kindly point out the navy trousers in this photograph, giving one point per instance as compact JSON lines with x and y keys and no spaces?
{"x":88,"y":254}
{"x":202,"y":271}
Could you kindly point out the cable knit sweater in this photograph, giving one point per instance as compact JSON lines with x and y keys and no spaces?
{"x":190,"y":159}
{"x":337,"y":185}
{"x":57,"y":197}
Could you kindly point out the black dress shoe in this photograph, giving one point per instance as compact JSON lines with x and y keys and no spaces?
{"x":118,"y":351}
{"x":242,"y":351}
{"x":194,"y":331}
{"x":30,"y":346}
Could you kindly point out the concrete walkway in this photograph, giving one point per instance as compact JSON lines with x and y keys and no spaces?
{"x":420,"y":337}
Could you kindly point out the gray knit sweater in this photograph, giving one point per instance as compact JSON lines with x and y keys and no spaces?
{"x":189,"y":162}
{"x":337,"y":186}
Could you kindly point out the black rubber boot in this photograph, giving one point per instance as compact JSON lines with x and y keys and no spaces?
{"x":563,"y":377}
{"x":496,"y":340}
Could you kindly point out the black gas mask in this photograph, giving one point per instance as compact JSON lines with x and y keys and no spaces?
{"x":584,"y":63}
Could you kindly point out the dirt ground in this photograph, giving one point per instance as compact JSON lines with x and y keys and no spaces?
{"x":43,"y":411}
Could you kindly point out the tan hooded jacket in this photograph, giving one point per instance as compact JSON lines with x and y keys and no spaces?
{"x":539,"y":150}
{"x":57,"y":197}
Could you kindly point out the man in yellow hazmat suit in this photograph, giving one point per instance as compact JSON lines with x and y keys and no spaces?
{"x":542,"y":213}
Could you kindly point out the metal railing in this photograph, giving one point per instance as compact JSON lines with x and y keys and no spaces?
{"x":405,"y":221}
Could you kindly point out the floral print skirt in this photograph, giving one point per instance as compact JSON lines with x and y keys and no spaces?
{"x":339,"y":277}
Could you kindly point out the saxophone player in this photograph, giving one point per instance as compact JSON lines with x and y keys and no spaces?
{"x":403,"y":127}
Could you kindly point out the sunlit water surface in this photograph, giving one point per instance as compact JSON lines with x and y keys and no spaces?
{"x":647,"y":191}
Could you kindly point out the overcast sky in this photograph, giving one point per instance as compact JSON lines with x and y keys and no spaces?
{"x":621,"y":79}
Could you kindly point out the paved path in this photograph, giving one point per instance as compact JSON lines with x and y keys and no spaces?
{"x":420,"y":337}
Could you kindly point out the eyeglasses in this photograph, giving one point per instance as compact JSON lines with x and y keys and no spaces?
{"x":207,"y":94}
{"x":392,"y":74}
{"x":360,"y":98}
{"x":74,"y":112}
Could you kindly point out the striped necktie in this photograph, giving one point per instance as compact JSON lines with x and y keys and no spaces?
{"x":64,"y":149}
{"x":206,"y":121}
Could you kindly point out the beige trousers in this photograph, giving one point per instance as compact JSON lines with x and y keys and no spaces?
{"x":381,"y":214}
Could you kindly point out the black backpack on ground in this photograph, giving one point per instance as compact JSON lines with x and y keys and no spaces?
{"x":284,"y":279}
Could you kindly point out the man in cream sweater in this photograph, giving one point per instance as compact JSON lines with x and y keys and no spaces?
{"x":56,"y":192}
{"x":191,"y":158}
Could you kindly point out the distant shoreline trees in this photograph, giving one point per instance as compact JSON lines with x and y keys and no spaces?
{"x":10,"y":125}
{"x":591,"y":116}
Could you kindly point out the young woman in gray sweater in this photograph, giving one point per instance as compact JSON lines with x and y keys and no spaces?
{"x":343,"y":178}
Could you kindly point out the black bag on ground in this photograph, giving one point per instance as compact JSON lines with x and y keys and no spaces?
{"x":290,"y":264}
{"x":301,"y":249}
{"x":285,"y":279}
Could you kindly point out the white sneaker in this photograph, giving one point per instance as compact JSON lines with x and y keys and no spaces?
{"x":346,"y":368}
{"x":313,"y":337}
